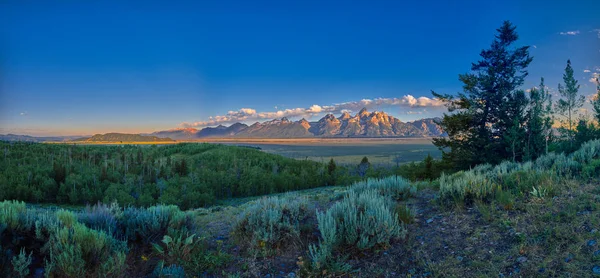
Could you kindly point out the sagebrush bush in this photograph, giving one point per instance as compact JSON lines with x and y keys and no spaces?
{"x":21,"y":264}
{"x":151,"y":224}
{"x":273,"y":220}
{"x":101,"y":217}
{"x":10,"y":214}
{"x":395,"y":187}
{"x":589,"y":151}
{"x":467,"y":186}
{"x":171,"y":271}
{"x":79,"y":250}
{"x":360,"y":221}
{"x":66,"y":217}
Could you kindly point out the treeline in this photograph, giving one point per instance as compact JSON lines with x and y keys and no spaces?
{"x":187,"y":175}
{"x":494,"y":120}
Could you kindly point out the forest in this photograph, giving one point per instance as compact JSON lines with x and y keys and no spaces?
{"x":187,"y":175}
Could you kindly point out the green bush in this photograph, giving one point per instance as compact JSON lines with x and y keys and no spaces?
{"x":467,"y":187}
{"x":21,"y":264}
{"x":151,"y":224}
{"x":360,"y":221}
{"x":592,"y":170}
{"x":272,"y":221}
{"x":588,"y":152}
{"x":101,"y":217}
{"x":10,"y":214}
{"x":171,"y":271}
{"x":79,"y":251}
{"x":395,"y":187}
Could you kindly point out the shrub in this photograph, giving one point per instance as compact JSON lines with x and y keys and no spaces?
{"x":100,"y":217}
{"x":272,"y":221}
{"x":395,"y":187}
{"x":405,"y":214}
{"x":467,"y":186}
{"x":360,"y":221}
{"x":10,"y":212}
{"x":78,"y":250}
{"x":172,"y":271}
{"x":66,"y":217}
{"x":21,"y":264}
{"x":546,"y":162}
{"x":588,"y":151}
{"x":151,"y":224}
{"x":592,"y":169}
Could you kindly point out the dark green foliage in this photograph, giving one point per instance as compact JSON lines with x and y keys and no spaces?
{"x":186,"y":175}
{"x":538,"y":122}
{"x":585,"y":131}
{"x":363,"y":167}
{"x":570,"y":102}
{"x":485,"y":113}
{"x":592,"y":170}
{"x":428,"y":169}
{"x":596,"y":103}
{"x":331,"y":171}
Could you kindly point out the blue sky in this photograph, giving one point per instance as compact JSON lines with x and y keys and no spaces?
{"x":85,"y":67}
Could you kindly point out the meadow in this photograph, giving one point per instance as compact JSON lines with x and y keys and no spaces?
{"x":379,"y":151}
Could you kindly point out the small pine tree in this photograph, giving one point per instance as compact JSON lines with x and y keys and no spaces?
{"x":331,"y":167}
{"x":596,"y":103}
{"x":363,"y":166}
{"x":428,"y":161}
{"x":570,"y":102}
{"x":538,"y":122}
{"x":331,"y":171}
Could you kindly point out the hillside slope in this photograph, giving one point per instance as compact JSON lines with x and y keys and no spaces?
{"x":123,"y":137}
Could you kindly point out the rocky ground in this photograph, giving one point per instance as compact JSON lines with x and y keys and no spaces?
{"x":549,"y":237}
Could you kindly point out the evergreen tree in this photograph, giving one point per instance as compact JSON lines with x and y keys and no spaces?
{"x":363,"y":167}
{"x":585,"y":132}
{"x":596,"y":103}
{"x":570,"y":102}
{"x":538,"y":122}
{"x":331,"y":171}
{"x":331,"y":167}
{"x":481,"y":115}
{"x":428,"y":161}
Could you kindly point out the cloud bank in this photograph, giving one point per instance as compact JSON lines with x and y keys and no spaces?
{"x":249,"y":114}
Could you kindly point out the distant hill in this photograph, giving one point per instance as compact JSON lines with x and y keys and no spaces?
{"x":123,"y":137}
{"x":363,"y":124}
{"x":27,"y":138}
{"x":177,"y":133}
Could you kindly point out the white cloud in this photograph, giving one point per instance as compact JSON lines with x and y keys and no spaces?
{"x":570,"y":33}
{"x":587,"y":70}
{"x":595,"y":77}
{"x":534,"y":46}
{"x":249,"y":114}
{"x":597,"y":31}
{"x":24,"y":113}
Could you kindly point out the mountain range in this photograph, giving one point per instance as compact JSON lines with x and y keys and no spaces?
{"x":364,"y":124}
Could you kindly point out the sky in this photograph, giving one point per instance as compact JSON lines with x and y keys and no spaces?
{"x":87,"y":67}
